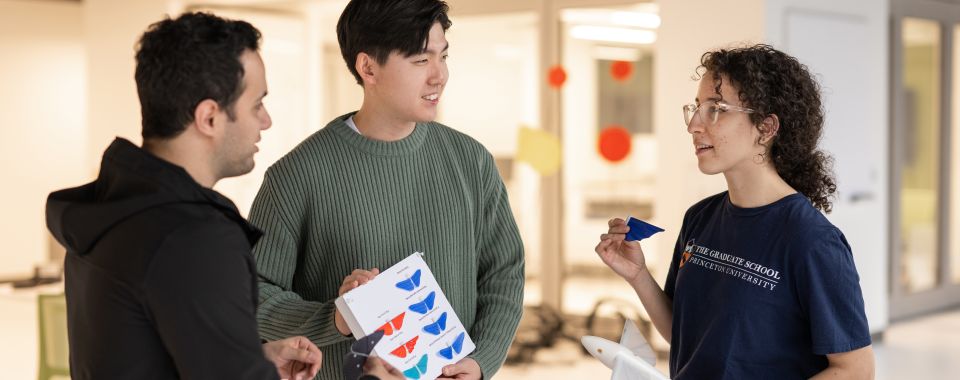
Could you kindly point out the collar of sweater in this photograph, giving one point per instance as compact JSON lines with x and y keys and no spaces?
{"x":404,"y":146}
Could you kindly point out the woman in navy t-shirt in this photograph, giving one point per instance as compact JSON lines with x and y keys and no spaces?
{"x":761,"y":285}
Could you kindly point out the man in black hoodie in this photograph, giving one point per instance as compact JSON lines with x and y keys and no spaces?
{"x":160,"y":281}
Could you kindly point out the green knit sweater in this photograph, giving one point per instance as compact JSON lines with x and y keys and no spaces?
{"x":340,"y":201}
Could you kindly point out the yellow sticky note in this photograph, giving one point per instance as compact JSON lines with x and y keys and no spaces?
{"x":539,"y":149}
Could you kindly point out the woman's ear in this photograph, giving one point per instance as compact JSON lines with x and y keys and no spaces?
{"x":768,"y":129}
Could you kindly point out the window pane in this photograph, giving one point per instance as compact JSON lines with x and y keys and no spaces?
{"x":920,"y":162}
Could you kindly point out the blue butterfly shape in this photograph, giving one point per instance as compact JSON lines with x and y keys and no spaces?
{"x":424,"y":306}
{"x":411,"y":282}
{"x":437,"y":327}
{"x":418,"y":370}
{"x":453,"y":349}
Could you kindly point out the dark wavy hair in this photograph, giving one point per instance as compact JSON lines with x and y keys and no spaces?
{"x":381,"y":27}
{"x":774,"y":83}
{"x":183,"y":61}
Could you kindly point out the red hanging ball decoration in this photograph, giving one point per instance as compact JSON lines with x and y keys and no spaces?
{"x":621,"y":70}
{"x":614,"y":143}
{"x":557,"y":76}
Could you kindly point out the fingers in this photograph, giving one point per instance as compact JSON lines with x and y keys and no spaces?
{"x":618,"y":230}
{"x":297,"y":370}
{"x":392,"y":370}
{"x":300,"y":355}
{"x":617,"y":226}
{"x":315,"y":356}
{"x":615,"y":222}
{"x":634,"y":244}
{"x":372,"y":363}
{"x":604,"y":245}
{"x":356,"y":278}
{"x":465,"y":368}
{"x":613,"y":237}
{"x":362,"y":276}
{"x":307,"y":366}
{"x":304,"y":356}
{"x":379,"y":367}
{"x":453,"y":370}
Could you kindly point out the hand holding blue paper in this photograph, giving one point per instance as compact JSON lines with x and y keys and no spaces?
{"x":640,"y":230}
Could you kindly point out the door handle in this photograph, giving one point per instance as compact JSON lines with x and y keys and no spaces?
{"x":860,"y":196}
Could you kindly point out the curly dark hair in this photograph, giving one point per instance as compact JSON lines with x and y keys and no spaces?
{"x":774,"y":83}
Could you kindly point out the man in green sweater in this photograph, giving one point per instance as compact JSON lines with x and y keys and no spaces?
{"x":374,"y":186}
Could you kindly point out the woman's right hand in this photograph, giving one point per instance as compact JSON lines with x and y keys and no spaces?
{"x":624,"y":257}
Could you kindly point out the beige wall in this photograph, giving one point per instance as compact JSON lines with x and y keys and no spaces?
{"x":42,"y":132}
{"x":111,"y":29}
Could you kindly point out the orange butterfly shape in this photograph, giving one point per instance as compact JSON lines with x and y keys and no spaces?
{"x":394,"y":325}
{"x":406,"y":348}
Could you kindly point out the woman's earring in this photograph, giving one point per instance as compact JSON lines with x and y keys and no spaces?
{"x":759,"y":158}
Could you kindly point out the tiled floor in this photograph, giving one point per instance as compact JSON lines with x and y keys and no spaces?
{"x":921,"y":349}
{"x":925,"y":348}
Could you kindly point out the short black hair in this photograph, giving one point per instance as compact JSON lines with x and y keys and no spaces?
{"x":183,"y":61}
{"x":380,"y":27}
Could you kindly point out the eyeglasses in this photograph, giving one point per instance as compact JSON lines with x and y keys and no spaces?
{"x":709,"y":111}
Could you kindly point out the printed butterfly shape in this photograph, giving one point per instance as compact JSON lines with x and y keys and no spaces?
{"x":452,"y":349}
{"x":406,"y":348}
{"x":424,"y":306}
{"x":418,"y":370}
{"x":394,"y":325}
{"x":438,"y":326}
{"x":411,"y":282}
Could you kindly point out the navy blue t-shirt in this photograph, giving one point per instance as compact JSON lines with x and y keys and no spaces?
{"x":761,"y":293}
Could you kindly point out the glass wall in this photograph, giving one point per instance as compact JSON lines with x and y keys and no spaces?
{"x":609,"y":146}
{"x":954,"y":223}
{"x":919,"y":184}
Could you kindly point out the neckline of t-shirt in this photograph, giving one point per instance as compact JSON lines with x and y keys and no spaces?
{"x":404,"y":146}
{"x":749,"y":211}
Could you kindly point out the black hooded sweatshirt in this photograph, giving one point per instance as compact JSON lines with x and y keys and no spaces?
{"x":160,"y":279}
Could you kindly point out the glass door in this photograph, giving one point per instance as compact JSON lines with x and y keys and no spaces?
{"x":925,"y":270}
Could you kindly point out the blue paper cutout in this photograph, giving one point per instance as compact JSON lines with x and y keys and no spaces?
{"x":640,"y":230}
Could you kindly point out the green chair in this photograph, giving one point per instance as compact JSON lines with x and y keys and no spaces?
{"x":54,"y":346}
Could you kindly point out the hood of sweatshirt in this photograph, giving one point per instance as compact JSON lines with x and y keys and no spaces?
{"x":131,"y":180}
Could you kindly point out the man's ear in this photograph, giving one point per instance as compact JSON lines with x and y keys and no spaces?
{"x":367,"y":67}
{"x":769,"y":128}
{"x":204,"y":116}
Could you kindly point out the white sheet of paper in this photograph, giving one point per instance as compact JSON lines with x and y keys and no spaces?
{"x":381,"y":302}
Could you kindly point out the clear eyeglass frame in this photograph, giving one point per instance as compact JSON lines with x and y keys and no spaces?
{"x":712,"y":113}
